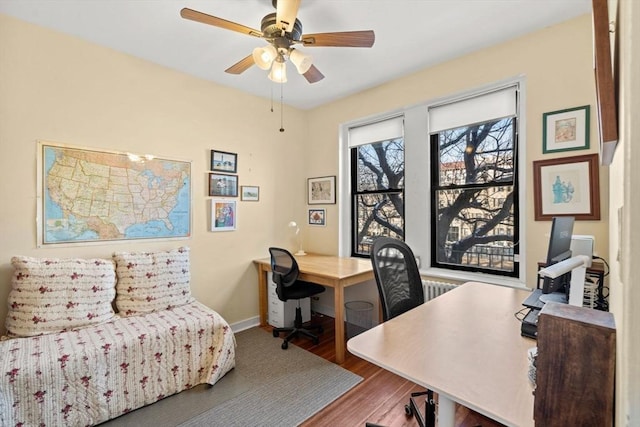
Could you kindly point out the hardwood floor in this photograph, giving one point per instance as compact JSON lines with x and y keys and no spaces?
{"x":379,"y":398}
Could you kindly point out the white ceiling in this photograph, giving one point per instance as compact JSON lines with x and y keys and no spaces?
{"x":410,"y":35}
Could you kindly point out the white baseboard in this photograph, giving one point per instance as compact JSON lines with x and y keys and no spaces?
{"x":327,"y":310}
{"x":245,"y":324}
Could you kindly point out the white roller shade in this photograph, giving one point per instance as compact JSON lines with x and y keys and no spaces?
{"x":376,"y":132}
{"x":477,"y":109}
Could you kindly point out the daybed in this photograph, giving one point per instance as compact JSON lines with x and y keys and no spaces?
{"x":70,"y":360}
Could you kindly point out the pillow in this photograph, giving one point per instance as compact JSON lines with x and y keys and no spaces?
{"x":152,"y":281}
{"x":50,"y":295}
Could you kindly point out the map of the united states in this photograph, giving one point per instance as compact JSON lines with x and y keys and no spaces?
{"x":95,"y":195}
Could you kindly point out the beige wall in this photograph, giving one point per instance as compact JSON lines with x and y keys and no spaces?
{"x":557,"y":64}
{"x":58,"y":88}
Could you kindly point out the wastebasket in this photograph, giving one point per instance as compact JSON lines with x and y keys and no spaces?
{"x":358,"y":317}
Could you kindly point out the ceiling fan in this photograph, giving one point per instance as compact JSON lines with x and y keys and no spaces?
{"x":282,"y":30}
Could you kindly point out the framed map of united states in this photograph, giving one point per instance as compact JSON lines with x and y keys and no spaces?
{"x":89,"y":195}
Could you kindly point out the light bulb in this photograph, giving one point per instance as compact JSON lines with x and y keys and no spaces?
{"x":264,"y":56}
{"x":300,"y":60}
{"x":278,"y":72}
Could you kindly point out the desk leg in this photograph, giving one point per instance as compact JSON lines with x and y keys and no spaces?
{"x":262,"y":295}
{"x":339,"y":325}
{"x":446,"y":414}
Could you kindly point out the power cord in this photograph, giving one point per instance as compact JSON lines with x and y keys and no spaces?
{"x":521,"y":314}
{"x":608,"y":269}
{"x":602,"y":303}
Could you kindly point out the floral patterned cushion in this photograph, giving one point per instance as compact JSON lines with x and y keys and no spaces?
{"x":89,"y":375}
{"x":152,"y":281}
{"x":50,"y":295}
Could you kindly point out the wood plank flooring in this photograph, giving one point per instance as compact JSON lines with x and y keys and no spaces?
{"x":379,"y":398}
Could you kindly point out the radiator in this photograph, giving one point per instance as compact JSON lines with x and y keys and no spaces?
{"x":434,"y":289}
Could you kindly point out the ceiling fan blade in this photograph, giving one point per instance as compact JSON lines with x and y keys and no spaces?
{"x":341,"y":39}
{"x":313,"y":75}
{"x":286,"y":13}
{"x":241,"y":66}
{"x":194,"y":15}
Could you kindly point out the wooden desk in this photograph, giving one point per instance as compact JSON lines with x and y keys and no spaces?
{"x":466,"y":346}
{"x":331,"y":271}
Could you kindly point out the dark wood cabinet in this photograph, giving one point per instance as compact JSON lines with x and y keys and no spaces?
{"x":575,"y":367}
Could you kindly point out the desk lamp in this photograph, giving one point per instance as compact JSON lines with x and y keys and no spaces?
{"x":300,"y":252}
{"x":578,"y":268}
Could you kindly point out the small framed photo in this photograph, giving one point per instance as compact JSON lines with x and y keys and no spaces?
{"x":223,"y":215}
{"x":321,"y":190}
{"x":221,"y":161}
{"x":565,"y":130}
{"x":223,"y":185}
{"x":250,"y":193}
{"x":317,"y":217}
{"x":568,"y":186}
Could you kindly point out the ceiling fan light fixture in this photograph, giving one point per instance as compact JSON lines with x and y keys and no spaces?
{"x":278,"y":72}
{"x":302,"y":61}
{"x":264,"y":56}
{"x":276,"y":30}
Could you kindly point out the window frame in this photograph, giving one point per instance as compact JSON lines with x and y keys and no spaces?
{"x":497,"y":185}
{"x":417,"y":172}
{"x":355,"y":193}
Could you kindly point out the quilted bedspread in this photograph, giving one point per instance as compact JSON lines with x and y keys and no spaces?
{"x":87,"y":376}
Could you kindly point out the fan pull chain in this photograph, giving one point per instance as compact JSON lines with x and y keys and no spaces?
{"x":281,"y":108}
{"x":271,"y":87}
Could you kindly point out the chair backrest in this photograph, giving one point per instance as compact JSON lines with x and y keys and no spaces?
{"x":397,"y":276}
{"x":285,"y":270}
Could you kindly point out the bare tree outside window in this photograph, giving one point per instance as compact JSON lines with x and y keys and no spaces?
{"x":473,"y":192}
{"x":378,"y":193}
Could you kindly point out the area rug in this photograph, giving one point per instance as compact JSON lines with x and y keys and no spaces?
{"x":268,"y":387}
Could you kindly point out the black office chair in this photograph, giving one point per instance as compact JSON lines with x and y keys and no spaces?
{"x":285,"y":275}
{"x":400,"y":289}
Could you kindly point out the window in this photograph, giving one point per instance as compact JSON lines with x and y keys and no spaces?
{"x":473,"y":187}
{"x":411,"y":177}
{"x":377,"y":184}
{"x":454,"y":234}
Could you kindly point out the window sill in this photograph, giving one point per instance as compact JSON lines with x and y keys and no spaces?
{"x":463,"y":276}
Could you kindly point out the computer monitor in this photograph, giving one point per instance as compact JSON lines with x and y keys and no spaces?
{"x":557,"y":289}
{"x":560,"y":239}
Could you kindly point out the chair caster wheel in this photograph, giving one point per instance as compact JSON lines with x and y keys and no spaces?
{"x":275,"y":334}
{"x":285,"y":345}
{"x":407,"y":410}
{"x":316,"y":341}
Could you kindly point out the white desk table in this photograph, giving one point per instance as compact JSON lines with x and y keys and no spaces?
{"x":466,"y":346}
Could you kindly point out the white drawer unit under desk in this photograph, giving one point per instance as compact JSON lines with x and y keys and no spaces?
{"x":281,"y":314}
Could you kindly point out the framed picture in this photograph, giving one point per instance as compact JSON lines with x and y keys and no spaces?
{"x":81,"y":216}
{"x":223,"y":215}
{"x":222,"y":161}
{"x":223,"y":185}
{"x":569,"y":186}
{"x":565,"y":130}
{"x":250,"y":193}
{"x":317,"y":217}
{"x":321,"y":190}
